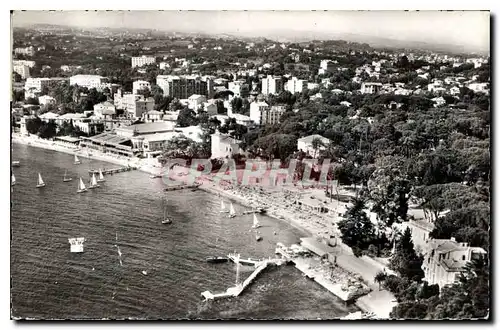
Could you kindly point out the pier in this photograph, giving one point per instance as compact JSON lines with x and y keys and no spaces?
{"x":113,"y":170}
{"x":181,"y":187}
{"x":236,"y":290}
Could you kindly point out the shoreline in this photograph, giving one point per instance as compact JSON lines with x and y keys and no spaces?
{"x":298,"y":219}
{"x":144,"y":166}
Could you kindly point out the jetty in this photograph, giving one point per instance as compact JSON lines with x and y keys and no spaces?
{"x":113,"y":170}
{"x":182,"y":186}
{"x":238,"y":289}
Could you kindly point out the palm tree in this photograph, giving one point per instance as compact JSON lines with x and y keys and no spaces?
{"x":316,"y":144}
{"x":379,"y":278}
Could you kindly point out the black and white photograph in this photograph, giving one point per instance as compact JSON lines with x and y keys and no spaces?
{"x":250,"y":165}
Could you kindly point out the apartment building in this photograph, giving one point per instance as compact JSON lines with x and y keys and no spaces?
{"x":142,"y":60}
{"x":28,"y":51}
{"x":295,"y":85}
{"x":370,"y":87}
{"x":90,"y":81}
{"x":239,"y":88}
{"x":22,"y":70}
{"x":182,"y":87}
{"x":272,"y":85}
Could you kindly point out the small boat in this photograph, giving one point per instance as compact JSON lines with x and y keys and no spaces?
{"x":258,"y":238}
{"x":216,"y":260}
{"x":13,"y":180}
{"x":256,"y":223}
{"x":101,"y":177}
{"x":274,"y":232}
{"x":40,"y":182}
{"x":65,"y":178}
{"x":166,"y":220}
{"x":232,"y":212}
{"x":16,"y":163}
{"x":144,"y":273}
{"x":77,"y":161}
{"x":155,"y":176}
{"x":76,"y":244}
{"x":81,"y":186}
{"x":223,"y":207}
{"x":93,"y":182}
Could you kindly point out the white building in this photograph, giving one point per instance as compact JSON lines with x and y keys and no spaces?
{"x":89,"y":81}
{"x":33,"y":86}
{"x":239,"y":88}
{"x":306,"y":144}
{"x":312,"y":86}
{"x":438,"y":101}
{"x":445,"y":259}
{"x":29,"y":64}
{"x":28,"y":51}
{"x":479,"y":87}
{"x":48,"y":116}
{"x":195,"y":102}
{"x":272,"y":85}
{"x":142,"y":60}
{"x":257,"y":109}
{"x":295,"y":85}
{"x":370,"y":87}
{"x":104,"y":110}
{"x":152,"y":116}
{"x":45,"y":99}
{"x":140,"y":85}
{"x":134,"y":105}
{"x":224,"y":146}
{"x":22,"y":70}
{"x":326,"y":66}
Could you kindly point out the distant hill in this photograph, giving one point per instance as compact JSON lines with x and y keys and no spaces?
{"x":295,"y":37}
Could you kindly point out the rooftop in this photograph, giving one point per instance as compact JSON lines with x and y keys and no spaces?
{"x":108,"y":138}
{"x":309,"y":139}
{"x":149,"y":128}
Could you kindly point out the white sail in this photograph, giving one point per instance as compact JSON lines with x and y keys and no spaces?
{"x":94,"y":180}
{"x":13,"y":179}
{"x":76,"y":159}
{"x":101,"y":176}
{"x":40,"y":180}
{"x":256,"y":223}
{"x":81,"y":185}
{"x":232,"y":212}
{"x":222,"y":206}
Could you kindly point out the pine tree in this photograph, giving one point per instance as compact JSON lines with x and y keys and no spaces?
{"x":356,"y":229}
{"x":405,"y":260}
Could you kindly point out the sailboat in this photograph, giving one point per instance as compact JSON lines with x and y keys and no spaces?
{"x":258,"y":237}
{"x":13,"y":180}
{"x":101,"y":177}
{"x":40,"y":182}
{"x":66,"y":179}
{"x":166,"y":220}
{"x":81,"y":186}
{"x":223,"y":207}
{"x":77,"y":161}
{"x":232,"y":212}
{"x":256,"y":223}
{"x":93,"y":182}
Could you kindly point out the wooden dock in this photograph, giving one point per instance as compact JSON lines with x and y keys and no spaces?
{"x":113,"y":170}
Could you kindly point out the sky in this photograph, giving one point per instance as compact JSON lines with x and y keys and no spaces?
{"x":468,"y":28}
